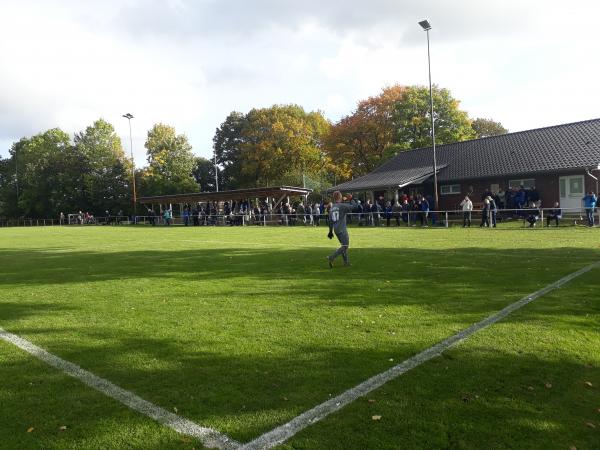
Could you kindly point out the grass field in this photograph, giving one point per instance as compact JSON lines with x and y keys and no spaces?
{"x":242,"y":329}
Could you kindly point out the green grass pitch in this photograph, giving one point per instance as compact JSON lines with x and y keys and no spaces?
{"x":242,"y":329}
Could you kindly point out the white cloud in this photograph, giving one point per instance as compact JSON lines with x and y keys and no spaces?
{"x":189,"y":63}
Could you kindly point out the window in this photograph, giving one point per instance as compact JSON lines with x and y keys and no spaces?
{"x":576,"y":186}
{"x":526,"y":183}
{"x":449,"y":189}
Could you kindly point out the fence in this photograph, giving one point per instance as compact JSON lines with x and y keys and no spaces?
{"x":531,"y":218}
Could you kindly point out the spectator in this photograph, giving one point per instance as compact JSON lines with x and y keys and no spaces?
{"x":300,"y":212}
{"x":589,"y":203}
{"x":405,"y":211}
{"x":493,"y":211}
{"x":509,"y":200}
{"x":388,"y":213}
{"x":167,"y":214}
{"x":534,"y":215}
{"x":424,"y":211}
{"x":309,"y":214}
{"x":376,"y":210}
{"x":501,"y":196}
{"x":467,"y":208}
{"x":316,"y":214}
{"x":521,"y":198}
{"x":485,"y":214}
{"x":554,"y":214}
{"x":397,"y":209}
{"x":534,"y":195}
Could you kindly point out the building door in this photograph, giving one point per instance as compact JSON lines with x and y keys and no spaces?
{"x":571,"y":191}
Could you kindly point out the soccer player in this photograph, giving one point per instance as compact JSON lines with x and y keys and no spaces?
{"x":337,"y":225}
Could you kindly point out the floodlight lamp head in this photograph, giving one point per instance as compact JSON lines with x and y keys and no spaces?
{"x":128,"y":116}
{"x":425,"y":24}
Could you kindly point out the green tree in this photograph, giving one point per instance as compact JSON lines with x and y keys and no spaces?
{"x":227,"y":144}
{"x":105,"y":177}
{"x":412,"y":118}
{"x":170,"y":163}
{"x":48,"y":170}
{"x":281,"y":143}
{"x":270,"y":146}
{"x":204,"y":174}
{"x":487,"y":127}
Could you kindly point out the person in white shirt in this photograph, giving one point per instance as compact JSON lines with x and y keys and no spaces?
{"x":467,"y":207}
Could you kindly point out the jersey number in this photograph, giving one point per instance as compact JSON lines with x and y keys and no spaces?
{"x":335,"y":216}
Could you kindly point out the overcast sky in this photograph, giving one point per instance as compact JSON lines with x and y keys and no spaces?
{"x":188,"y":63}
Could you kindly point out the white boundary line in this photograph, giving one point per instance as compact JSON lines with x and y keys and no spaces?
{"x":214,"y":439}
{"x":284,"y":432}
{"x":209,"y":437}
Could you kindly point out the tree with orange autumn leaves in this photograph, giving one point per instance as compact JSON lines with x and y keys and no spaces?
{"x":398,"y":119}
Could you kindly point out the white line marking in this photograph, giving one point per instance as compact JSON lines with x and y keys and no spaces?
{"x":284,"y":432}
{"x":209,"y":437}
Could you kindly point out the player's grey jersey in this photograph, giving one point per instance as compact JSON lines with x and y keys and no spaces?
{"x":337,"y":215}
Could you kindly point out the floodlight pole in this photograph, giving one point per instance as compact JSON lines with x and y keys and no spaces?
{"x":427,"y":26}
{"x":129,"y":116}
{"x":17,"y":173}
{"x":216,"y":170}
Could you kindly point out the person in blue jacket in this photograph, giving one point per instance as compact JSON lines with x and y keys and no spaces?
{"x":589,"y":203}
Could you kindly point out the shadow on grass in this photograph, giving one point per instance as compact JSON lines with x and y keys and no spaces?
{"x":247,"y":394}
{"x":482,"y":398}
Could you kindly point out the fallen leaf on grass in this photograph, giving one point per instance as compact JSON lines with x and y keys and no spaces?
{"x":30,"y":429}
{"x":175,"y":408}
{"x":589,"y":384}
{"x":572,"y":448}
{"x":548,"y":385}
{"x":376,"y":417}
{"x":590,"y":424}
{"x":371,"y":400}
{"x":531,"y":388}
{"x":391,"y":360}
{"x":62,"y":428}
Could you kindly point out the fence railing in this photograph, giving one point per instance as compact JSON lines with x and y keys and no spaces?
{"x":528,"y":217}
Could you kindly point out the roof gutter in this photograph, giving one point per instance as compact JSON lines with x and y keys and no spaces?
{"x":587,"y":171}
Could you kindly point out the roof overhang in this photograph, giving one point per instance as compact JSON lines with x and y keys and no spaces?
{"x":393,"y":179}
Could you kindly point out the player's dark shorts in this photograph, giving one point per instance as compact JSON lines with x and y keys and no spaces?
{"x":343,"y":237}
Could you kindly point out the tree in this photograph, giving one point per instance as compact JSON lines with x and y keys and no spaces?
{"x":48,"y":167}
{"x":204,"y":174}
{"x":170,"y":163}
{"x":487,"y":127}
{"x":271,"y":146}
{"x":281,"y":142}
{"x":227,"y":144}
{"x":398,"y":119}
{"x":105,"y":177}
{"x":412,"y":116}
{"x":358,"y":143}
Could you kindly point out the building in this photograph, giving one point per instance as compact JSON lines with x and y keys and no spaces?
{"x":562,"y":162}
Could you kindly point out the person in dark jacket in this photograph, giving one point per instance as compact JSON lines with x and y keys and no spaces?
{"x":534,"y":195}
{"x":534,"y":215}
{"x":388,"y":213}
{"x":554,"y":214}
{"x":424,"y":211}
